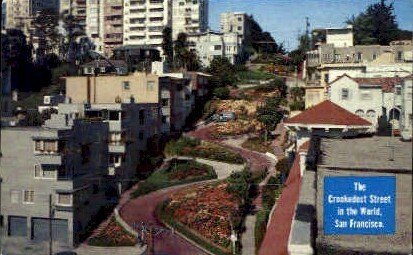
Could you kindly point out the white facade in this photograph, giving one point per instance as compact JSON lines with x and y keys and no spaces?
{"x":144,"y":22}
{"x":340,"y":37}
{"x":94,"y":23}
{"x":234,"y":22}
{"x":372,"y":102}
{"x":210,"y":45}
{"x":189,"y":17}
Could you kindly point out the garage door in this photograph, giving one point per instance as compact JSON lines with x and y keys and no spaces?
{"x":17,"y":226}
{"x":40,"y":229}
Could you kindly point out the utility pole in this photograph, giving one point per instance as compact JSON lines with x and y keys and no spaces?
{"x":50,"y":225}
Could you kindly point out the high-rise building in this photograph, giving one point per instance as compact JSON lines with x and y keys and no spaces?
{"x":77,"y":8}
{"x":145,"y":20}
{"x":236,"y":22}
{"x":20,"y":13}
{"x":189,"y":16}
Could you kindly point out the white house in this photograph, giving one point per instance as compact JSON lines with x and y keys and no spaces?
{"x":210,"y":45}
{"x":379,"y":100}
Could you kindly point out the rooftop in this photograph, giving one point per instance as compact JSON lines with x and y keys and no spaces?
{"x":106,"y":63}
{"x":367,"y":153}
{"x":327,"y":113}
{"x":387,"y":84}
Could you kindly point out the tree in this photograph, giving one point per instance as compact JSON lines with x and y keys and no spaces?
{"x":270,"y":114}
{"x":167,"y":45}
{"x":45,"y":24}
{"x":376,"y":25}
{"x":73,"y":30}
{"x":183,"y":57}
{"x":223,"y":72}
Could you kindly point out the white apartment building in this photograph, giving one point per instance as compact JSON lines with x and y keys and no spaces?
{"x":235,"y":22}
{"x":189,"y":16}
{"x":210,"y":45}
{"x":77,"y":8}
{"x":145,"y":20}
{"x":104,"y":24}
{"x":94,"y":23}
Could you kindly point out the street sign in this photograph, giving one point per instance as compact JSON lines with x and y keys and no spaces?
{"x":359,"y":205}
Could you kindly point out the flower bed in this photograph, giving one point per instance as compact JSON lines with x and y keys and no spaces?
{"x":207,"y":150}
{"x":113,"y":235}
{"x":178,"y":172}
{"x":237,"y":127}
{"x":205,"y":212}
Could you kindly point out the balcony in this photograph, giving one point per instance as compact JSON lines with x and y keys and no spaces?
{"x":117,"y":148}
{"x":49,"y":158}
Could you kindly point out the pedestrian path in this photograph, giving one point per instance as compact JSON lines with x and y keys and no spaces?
{"x":248,"y":237}
{"x":94,"y":250}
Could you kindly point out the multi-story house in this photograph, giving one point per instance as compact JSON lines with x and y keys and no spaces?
{"x":382,"y":101}
{"x":105,"y":24}
{"x":144,"y":21}
{"x":210,"y":45}
{"x":236,"y":22}
{"x":338,"y":56}
{"x":53,"y":176}
{"x":172,"y":93}
{"x":189,"y":16}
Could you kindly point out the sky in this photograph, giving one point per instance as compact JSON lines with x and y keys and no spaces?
{"x":285,"y":19}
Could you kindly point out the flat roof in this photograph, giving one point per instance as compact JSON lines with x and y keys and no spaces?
{"x":371,"y":153}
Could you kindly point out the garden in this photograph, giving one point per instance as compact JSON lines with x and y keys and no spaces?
{"x":201,"y":149}
{"x":113,"y":235}
{"x":175,"y":172}
{"x":258,"y":144}
{"x":208,"y":213}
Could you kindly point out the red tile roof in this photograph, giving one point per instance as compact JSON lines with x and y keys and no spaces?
{"x":387,"y":84}
{"x":276,"y":238}
{"x":327,"y":113}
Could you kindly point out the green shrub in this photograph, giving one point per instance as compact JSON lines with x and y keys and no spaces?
{"x":297,"y":106}
{"x":176,"y":147}
{"x":162,"y":178}
{"x":260,"y":227}
{"x":221,"y":92}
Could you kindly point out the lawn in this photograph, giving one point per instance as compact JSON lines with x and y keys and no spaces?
{"x":201,"y":149}
{"x":113,"y":235}
{"x":176,"y":173}
{"x":258,"y":144}
{"x":246,"y":76}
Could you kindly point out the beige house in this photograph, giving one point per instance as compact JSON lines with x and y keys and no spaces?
{"x":338,"y":56}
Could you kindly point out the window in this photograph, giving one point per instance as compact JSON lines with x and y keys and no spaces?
{"x":366,"y":95}
{"x":141,"y":117}
{"x":141,"y":135}
{"x":398,"y":90}
{"x":28,"y":196}
{"x":371,"y":114}
{"x":359,"y":56}
{"x":64,"y":199}
{"x":326,"y":77}
{"x":50,"y":146}
{"x":14,"y":196}
{"x":217,"y":47}
{"x":165,"y":102}
{"x":374,"y":56}
{"x":125,"y":85}
{"x":39,"y":146}
{"x":360,"y":113}
{"x":45,"y":172}
{"x":399,"y":55}
{"x":85,"y":153}
{"x":164,"y":119}
{"x":344,"y":94}
{"x":37,"y":171}
{"x":150,"y":85}
{"x":239,"y":28}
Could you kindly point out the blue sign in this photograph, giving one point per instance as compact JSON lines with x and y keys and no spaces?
{"x":359,"y":205}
